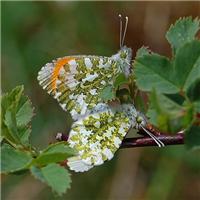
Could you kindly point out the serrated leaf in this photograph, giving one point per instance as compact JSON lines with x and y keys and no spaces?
{"x":14,"y":135}
{"x":10,"y":131}
{"x":9,"y":102}
{"x":25,"y":112}
{"x":187,"y":65}
{"x":16,"y":114}
{"x":154,"y":71}
{"x":55,"y":176}
{"x":142,"y":52}
{"x":13,"y":160}
{"x":193,"y":91}
{"x":183,"y":31}
{"x":11,"y":99}
{"x":54,"y":153}
{"x":192,"y":137}
{"x":108,"y":93}
{"x":120,"y":80}
{"x":37,"y":173}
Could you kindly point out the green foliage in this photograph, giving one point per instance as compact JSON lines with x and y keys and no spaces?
{"x":193,"y":91}
{"x":169,"y":113}
{"x":174,"y":84}
{"x":156,"y":70}
{"x":193,"y":137}
{"x":182,"y":32}
{"x":187,"y":65}
{"x":161,"y":73}
{"x":16,"y":115}
{"x":54,"y":176}
{"x":13,"y":160}
{"x":142,"y":52}
{"x":17,"y":152}
{"x":56,"y":152}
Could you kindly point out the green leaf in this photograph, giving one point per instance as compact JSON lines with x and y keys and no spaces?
{"x":10,"y":132}
{"x":37,"y":173}
{"x":193,"y":91}
{"x":177,"y":98}
{"x":11,"y":99}
{"x":24,"y":134}
{"x":13,"y":160}
{"x":154,"y":71}
{"x":192,"y":137}
{"x":54,"y":153}
{"x":120,"y":80}
{"x":197,"y":106}
{"x":142,"y":52}
{"x":55,"y":176}
{"x":25,"y":112}
{"x":187,"y":65}
{"x":165,"y":113}
{"x":16,"y":114}
{"x":107,"y":94}
{"x":182,"y":32}
{"x":9,"y":102}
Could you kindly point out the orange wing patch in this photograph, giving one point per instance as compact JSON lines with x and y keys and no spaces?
{"x":58,"y":66}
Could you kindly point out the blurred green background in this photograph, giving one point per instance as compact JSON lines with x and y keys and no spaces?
{"x":34,"y":33}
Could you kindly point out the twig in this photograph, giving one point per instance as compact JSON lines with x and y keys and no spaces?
{"x":147,"y":141}
{"x":141,"y":141}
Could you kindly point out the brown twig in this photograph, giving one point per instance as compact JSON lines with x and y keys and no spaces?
{"x":142,"y":141}
{"x":147,"y":141}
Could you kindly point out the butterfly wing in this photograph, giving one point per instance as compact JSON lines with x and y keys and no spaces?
{"x":76,"y":81}
{"x":97,"y":137}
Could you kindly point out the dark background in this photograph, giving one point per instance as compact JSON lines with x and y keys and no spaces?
{"x":34,"y":33}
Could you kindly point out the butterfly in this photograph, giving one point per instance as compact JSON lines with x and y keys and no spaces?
{"x":76,"y":82}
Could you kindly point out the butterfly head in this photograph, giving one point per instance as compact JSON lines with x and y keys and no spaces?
{"x":137,"y":119}
{"x":125,"y":54}
{"x":123,"y":58}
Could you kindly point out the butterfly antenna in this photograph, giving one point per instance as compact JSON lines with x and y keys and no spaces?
{"x":157,"y":141}
{"x":125,"y":29}
{"x":120,"y":30}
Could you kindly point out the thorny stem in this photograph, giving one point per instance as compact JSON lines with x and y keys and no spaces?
{"x":142,"y":141}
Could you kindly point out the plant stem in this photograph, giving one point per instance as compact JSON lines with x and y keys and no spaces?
{"x":142,"y":141}
{"x":147,"y":141}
